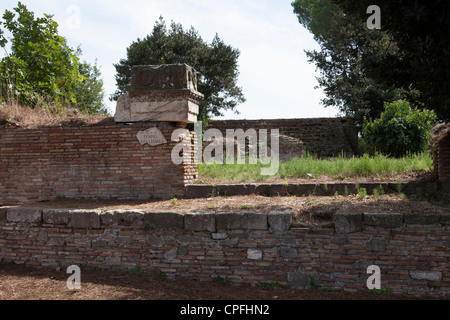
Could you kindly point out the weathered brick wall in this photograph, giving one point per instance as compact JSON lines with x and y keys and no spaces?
{"x":99,"y":161}
{"x":325,"y":137}
{"x":443,"y":158}
{"x":412,"y":250}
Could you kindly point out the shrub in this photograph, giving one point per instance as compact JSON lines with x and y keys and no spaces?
{"x":42,"y":70}
{"x":400,"y":130}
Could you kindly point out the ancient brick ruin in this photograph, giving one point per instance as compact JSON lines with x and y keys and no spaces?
{"x":442,"y":163}
{"x":324,"y":137}
{"x":129,"y":158}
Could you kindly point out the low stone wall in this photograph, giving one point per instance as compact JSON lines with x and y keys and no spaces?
{"x":418,"y":188}
{"x":412,"y":250}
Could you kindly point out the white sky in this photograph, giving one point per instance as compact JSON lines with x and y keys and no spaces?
{"x":276,"y":78}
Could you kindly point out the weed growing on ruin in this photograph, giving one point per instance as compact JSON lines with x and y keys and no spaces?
{"x":312,"y":282}
{"x":346,"y":190}
{"x":269,"y":284}
{"x":220,"y":280}
{"x":386,"y":291}
{"x":137,"y":270}
{"x":326,"y":289}
{"x":378,"y":191}
{"x":362,"y":193}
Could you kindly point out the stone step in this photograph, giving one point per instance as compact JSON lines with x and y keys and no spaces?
{"x":306,"y":189}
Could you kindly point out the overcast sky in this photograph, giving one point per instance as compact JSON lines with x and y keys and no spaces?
{"x":276,"y":78}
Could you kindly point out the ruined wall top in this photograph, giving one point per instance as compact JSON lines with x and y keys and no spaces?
{"x":161,"y":93}
{"x":163,"y":77}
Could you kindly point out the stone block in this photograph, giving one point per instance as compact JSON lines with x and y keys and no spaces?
{"x":56,"y":242}
{"x":288,"y":253}
{"x":241,"y":221}
{"x":160,"y":93}
{"x":384,"y":220}
{"x":363,"y":264}
{"x":230,"y":243}
{"x":171,"y":254}
{"x":155,"y":241}
{"x":194,"y":191}
{"x":56,"y":216}
{"x":3,"y":214}
{"x":426,"y":275}
{"x":219,"y":236}
{"x":288,"y":239}
{"x":279,"y":221}
{"x":149,"y":78}
{"x":24,"y":215}
{"x":301,"y":279}
{"x":445,"y":218}
{"x":421,"y":218}
{"x":200,"y":221}
{"x":347,"y":222}
{"x":238,"y":189}
{"x":298,"y":280}
{"x":122,"y":218}
{"x":101,"y":243}
{"x":375,"y":244}
{"x":254,"y":254}
{"x":153,"y":137}
{"x":124,"y":240}
{"x":42,"y":236}
{"x":113,"y":261}
{"x":84,"y":219}
{"x":186,"y":239}
{"x":339,"y":239}
{"x":164,"y":220}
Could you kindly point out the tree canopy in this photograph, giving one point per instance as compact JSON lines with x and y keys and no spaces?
{"x":345,"y":43}
{"x":363,"y":69}
{"x":41,"y":69}
{"x":420,"y":31}
{"x":215,"y":62}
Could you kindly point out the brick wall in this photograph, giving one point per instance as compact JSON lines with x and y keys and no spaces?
{"x":443,"y":159}
{"x":104,"y":161}
{"x":326,"y":137}
{"x":412,"y":250}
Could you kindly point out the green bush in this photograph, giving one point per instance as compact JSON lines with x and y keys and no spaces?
{"x":41,"y":70}
{"x":401,"y":130}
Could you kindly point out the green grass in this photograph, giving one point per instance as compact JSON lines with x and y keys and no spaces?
{"x":338,"y":168}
